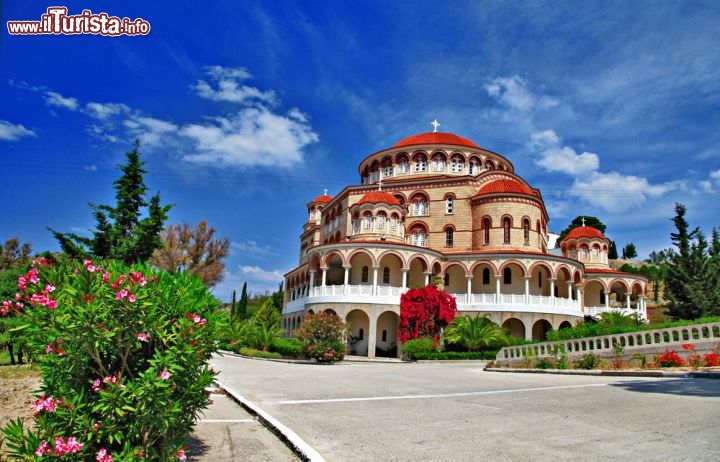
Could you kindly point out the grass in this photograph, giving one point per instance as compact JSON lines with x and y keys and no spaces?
{"x":9,"y":371}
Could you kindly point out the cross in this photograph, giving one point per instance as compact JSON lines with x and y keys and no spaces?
{"x":325,"y":191}
{"x":435,"y":125}
{"x":583,"y":221}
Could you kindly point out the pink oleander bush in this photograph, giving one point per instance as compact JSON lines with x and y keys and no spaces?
{"x":321,"y":336}
{"x":123,"y":353}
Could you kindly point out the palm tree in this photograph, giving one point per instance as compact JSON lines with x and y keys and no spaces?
{"x":475,"y":333}
{"x":264,"y":336}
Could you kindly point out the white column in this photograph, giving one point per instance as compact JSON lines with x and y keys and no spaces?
{"x":468,"y":295}
{"x":312,"y":283}
{"x":627,"y":301}
{"x":324,"y":281}
{"x":404,"y":279}
{"x":374,"y":287}
{"x":427,"y":278}
{"x":569,"y":287}
{"x":497,"y":289}
{"x":552,"y":291}
{"x":346,"y":280}
{"x":527,"y":290}
{"x":579,"y":295}
{"x":372,"y":335}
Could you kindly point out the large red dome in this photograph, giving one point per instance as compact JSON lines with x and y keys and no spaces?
{"x":436,"y":138}
{"x":505,"y":186}
{"x":378,"y":197}
{"x":324,"y":198}
{"x":584,"y":231}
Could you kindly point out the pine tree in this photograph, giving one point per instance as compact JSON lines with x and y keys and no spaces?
{"x":121,"y":233}
{"x":612,"y":253}
{"x":629,"y":252}
{"x":242,"y":306}
{"x":692,"y":284}
{"x":233,"y":306}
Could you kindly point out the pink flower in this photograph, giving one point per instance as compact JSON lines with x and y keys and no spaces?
{"x":49,"y":348}
{"x":105,"y":277}
{"x":198,"y":320}
{"x":165,"y":374}
{"x":43,"y":449}
{"x":96,"y":386}
{"x":103,"y":456}
{"x":49,"y":288}
{"x":181,"y":455}
{"x":121,"y":294}
{"x":142,"y":337}
{"x":46,"y":404}
{"x":131,"y":298}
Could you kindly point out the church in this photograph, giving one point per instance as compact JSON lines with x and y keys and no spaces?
{"x":438,"y":208}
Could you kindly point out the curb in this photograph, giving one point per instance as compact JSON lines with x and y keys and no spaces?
{"x":291,"y":439}
{"x":619,"y":373}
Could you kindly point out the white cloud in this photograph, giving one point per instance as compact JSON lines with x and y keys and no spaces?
{"x":229,"y":87}
{"x":615,"y":192}
{"x":91,"y":168}
{"x":12,"y":132}
{"x":513,"y":93}
{"x":53,"y":98}
{"x":557,"y":158}
{"x":715,"y":175}
{"x":252,"y":137}
{"x":103,"y":111}
{"x":150,"y":131}
{"x":253,"y":250}
{"x":255,"y":273}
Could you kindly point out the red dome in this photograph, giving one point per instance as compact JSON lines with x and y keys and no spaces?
{"x":324,"y":198}
{"x":378,"y":197}
{"x":505,"y":186}
{"x":584,"y":231}
{"x":435,"y":138}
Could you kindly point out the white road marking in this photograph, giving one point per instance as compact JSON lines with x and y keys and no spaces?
{"x":226,"y":420}
{"x":448,"y":395}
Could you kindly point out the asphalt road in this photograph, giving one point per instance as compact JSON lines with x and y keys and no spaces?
{"x":458,"y":412}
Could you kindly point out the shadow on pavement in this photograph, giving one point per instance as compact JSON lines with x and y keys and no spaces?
{"x":684,"y":387}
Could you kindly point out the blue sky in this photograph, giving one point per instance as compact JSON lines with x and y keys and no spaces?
{"x":248,"y":110}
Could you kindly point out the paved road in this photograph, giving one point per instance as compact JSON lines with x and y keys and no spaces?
{"x":458,"y":412}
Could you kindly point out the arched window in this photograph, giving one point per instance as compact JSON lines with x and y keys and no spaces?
{"x":420,"y":206}
{"x":486,"y":276}
{"x":403,"y":166}
{"x":583,"y":251}
{"x":449,"y":205}
{"x":367,"y":220}
{"x":420,"y":164}
{"x":361,"y":334}
{"x":381,"y":220}
{"x":486,"y":230}
{"x":393,"y":223}
{"x":506,"y":230}
{"x":449,"y":237}
{"x":438,"y":164}
{"x":507,"y":276}
{"x":418,"y":237}
{"x":364,"y":275}
{"x":473,"y":169}
{"x":386,"y":275}
{"x":526,"y":231}
{"x":456,"y":165}
{"x":602,"y":296}
{"x":540,"y":279}
{"x":387,"y":170}
{"x":384,"y":336}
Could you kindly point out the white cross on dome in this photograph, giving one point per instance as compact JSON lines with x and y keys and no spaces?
{"x":435,"y":125}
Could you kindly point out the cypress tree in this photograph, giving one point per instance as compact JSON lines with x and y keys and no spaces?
{"x":242,"y":308}
{"x":233,"y":307}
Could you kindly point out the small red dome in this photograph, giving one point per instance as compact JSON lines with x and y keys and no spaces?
{"x":584,"y":231}
{"x":378,"y":197}
{"x":324,"y":198}
{"x":505,"y":186}
{"x":435,"y":138}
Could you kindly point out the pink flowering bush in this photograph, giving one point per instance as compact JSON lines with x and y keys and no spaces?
{"x":123,"y":353}
{"x":322,"y":336}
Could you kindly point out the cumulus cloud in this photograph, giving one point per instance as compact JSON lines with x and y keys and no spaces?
{"x":53,"y":98}
{"x":13,"y":132}
{"x":258,"y":274}
{"x":252,"y":137}
{"x":252,"y":249}
{"x":615,"y":192}
{"x":513,"y":92}
{"x":150,"y":131}
{"x":102,"y":111}
{"x":228,"y":86}
{"x":554,"y":157}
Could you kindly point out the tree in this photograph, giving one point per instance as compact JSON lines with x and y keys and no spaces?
{"x":475,"y":333}
{"x":242,"y":307}
{"x":578,"y":221}
{"x":121,"y":233}
{"x":14,"y":255}
{"x":425,"y":312}
{"x":267,"y":315}
{"x":278,"y":297}
{"x":629,"y":252}
{"x":612,"y":253}
{"x":692,"y":284}
{"x":193,"y":250}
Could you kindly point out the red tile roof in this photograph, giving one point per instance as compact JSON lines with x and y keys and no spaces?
{"x":323,"y":198}
{"x":379,"y":197}
{"x":584,"y":231}
{"x":505,"y":186}
{"x":435,"y":138}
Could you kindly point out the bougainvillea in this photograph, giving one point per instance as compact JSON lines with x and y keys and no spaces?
{"x":424,"y":312}
{"x":124,"y":355}
{"x":670,"y":359}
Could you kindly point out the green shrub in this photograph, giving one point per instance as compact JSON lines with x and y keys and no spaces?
{"x":543,"y":363}
{"x":287,"y":347}
{"x":597,"y":329}
{"x":124,"y":361}
{"x":253,"y":353}
{"x":419,"y":345}
{"x":588,"y":362}
{"x":322,"y":337}
{"x":453,"y":355}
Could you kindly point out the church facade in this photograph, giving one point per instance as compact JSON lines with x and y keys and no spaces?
{"x":437,"y":208}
